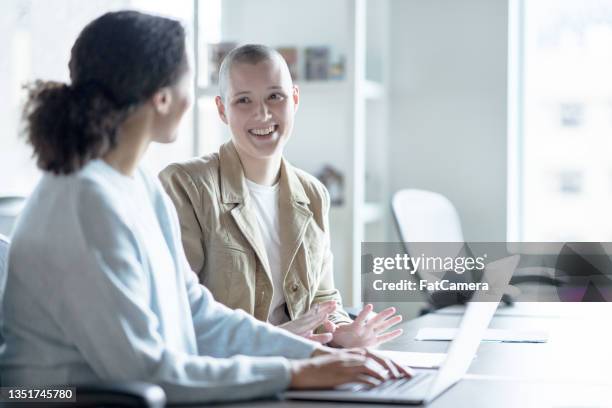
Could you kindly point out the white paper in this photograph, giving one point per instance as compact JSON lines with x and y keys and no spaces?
{"x":414,"y":359}
{"x":501,"y":335}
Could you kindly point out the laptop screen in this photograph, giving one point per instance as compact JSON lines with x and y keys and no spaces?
{"x":475,"y":321}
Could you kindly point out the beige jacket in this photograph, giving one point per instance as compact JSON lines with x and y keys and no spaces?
{"x":222,"y":242}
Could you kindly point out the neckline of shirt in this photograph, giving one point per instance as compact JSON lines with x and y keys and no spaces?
{"x":127,"y":183}
{"x":260,"y":188}
{"x":114,"y":172}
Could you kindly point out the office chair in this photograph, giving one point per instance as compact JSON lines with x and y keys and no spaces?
{"x":129,"y":394}
{"x":122,"y":395}
{"x":422,"y":217}
{"x":4,"y":246}
{"x":425,"y":216}
{"x":10,"y":207}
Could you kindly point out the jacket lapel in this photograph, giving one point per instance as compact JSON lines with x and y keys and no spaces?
{"x":247,"y":223}
{"x":294,"y":215}
{"x":234,"y":191}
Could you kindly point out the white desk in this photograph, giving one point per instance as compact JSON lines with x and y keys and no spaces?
{"x":572,"y":369}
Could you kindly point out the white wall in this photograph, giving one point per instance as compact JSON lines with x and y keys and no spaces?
{"x":448,"y":106}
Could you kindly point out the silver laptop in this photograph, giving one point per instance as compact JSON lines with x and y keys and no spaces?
{"x":424,"y":386}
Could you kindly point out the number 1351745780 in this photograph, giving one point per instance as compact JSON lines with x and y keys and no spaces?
{"x":23,"y":394}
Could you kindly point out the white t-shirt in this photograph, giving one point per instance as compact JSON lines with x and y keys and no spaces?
{"x":265,"y":203}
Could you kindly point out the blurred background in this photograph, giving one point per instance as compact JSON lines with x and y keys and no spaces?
{"x":502,"y":106}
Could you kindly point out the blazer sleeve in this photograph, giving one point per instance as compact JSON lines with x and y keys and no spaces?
{"x":186,"y":197}
{"x":327,"y":289}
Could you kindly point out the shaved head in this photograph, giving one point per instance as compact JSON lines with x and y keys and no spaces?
{"x":246,"y":54}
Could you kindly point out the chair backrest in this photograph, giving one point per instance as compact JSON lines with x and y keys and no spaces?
{"x":10,"y":207}
{"x":4,"y":245}
{"x":425,"y":216}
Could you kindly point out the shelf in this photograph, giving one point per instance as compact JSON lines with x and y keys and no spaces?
{"x":373,"y":90}
{"x":306,"y":88}
{"x":372,"y":212}
{"x":322,"y":86}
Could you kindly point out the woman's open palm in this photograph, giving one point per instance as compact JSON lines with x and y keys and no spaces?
{"x":364,"y":332}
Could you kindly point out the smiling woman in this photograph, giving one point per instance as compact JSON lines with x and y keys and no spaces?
{"x":248,"y":197}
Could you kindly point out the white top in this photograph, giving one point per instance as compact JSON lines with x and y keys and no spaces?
{"x":99,"y":289}
{"x":266,"y":203}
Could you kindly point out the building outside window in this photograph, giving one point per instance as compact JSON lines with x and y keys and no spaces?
{"x":564,"y":121}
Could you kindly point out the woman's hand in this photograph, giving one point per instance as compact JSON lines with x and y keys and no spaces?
{"x":363,"y":332}
{"x":333,"y":369}
{"x":306,"y":324}
{"x":396,"y":370}
{"x":329,"y":368}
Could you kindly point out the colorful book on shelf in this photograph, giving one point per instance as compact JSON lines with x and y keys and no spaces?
{"x":290,"y":54}
{"x":317,"y":63}
{"x":216,"y":53}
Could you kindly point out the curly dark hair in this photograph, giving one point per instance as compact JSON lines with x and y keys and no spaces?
{"x":118,"y":61}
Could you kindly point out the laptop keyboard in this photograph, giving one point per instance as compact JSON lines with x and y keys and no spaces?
{"x":400,"y":385}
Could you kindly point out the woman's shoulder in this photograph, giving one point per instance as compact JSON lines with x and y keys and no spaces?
{"x":198,"y":176}
{"x":70,"y":204}
{"x":203,"y":169}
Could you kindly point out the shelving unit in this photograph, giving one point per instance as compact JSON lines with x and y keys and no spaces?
{"x":339,"y":122}
{"x":374,"y":90}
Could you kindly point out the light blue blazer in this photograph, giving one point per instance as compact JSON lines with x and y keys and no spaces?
{"x":99,"y":289}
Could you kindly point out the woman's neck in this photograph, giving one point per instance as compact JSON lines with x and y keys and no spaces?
{"x":261,"y":171}
{"x":132,"y":143}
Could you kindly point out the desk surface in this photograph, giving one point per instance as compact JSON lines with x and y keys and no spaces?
{"x":571,"y":369}
{"x":475,"y":393}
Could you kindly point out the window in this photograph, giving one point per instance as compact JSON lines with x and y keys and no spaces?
{"x":571,"y":114}
{"x":37,"y":37}
{"x":570,"y":182}
{"x":563,"y":134}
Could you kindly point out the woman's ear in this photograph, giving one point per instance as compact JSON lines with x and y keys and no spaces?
{"x":221,"y":109}
{"x":162,"y":100}
{"x":296,"y":97}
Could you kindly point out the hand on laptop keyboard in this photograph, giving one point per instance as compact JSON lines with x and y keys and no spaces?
{"x":331,"y":368}
{"x":395,"y":369}
{"x":389,"y":386}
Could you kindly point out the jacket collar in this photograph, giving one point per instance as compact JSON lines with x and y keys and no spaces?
{"x":233,"y":181}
